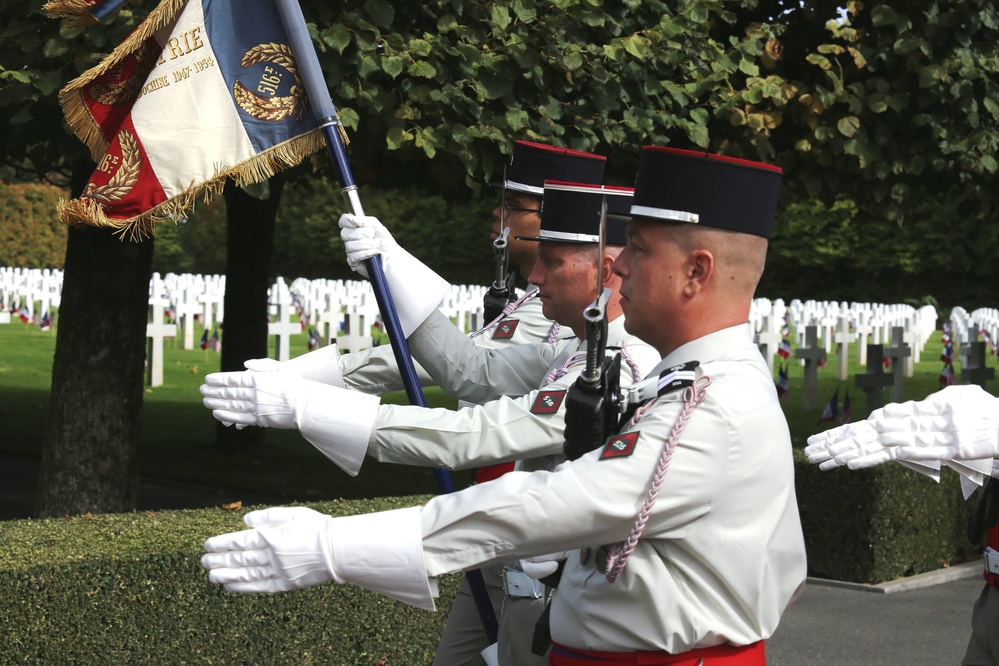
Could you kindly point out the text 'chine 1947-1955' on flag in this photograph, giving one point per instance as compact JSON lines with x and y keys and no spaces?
{"x":201,"y":92}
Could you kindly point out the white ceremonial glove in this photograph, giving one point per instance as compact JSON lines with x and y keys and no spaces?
{"x":416,"y":290}
{"x":321,"y":365}
{"x":540,"y":566}
{"x":956,"y":423}
{"x":336,"y":421}
{"x":288,"y":548}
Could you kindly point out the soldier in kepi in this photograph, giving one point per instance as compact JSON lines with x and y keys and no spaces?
{"x":513,"y":321}
{"x":679,"y":532}
{"x":521,"y":388}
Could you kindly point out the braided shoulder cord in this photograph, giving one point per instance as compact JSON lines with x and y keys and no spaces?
{"x":553,"y":333}
{"x":620,"y":552}
{"x":636,"y":372}
{"x":510,"y":307}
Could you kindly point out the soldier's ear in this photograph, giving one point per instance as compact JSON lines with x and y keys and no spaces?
{"x":700,"y":269}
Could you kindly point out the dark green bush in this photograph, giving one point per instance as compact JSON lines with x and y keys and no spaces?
{"x":129,"y":589}
{"x":879,"y":524}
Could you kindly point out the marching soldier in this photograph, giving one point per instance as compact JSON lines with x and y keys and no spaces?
{"x":521,"y":321}
{"x":682,"y":531}
{"x":346,"y":425}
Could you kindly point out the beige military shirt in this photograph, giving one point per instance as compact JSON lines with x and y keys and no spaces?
{"x":722,"y":555}
{"x":375,"y":370}
{"x":521,"y":390}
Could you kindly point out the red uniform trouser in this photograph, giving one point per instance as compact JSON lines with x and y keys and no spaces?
{"x":719,"y":655}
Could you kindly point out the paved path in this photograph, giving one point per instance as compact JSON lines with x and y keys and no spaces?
{"x":924,"y":620}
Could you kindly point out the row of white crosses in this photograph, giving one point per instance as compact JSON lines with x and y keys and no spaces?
{"x":22,"y":288}
{"x":898,"y":332}
{"x":345,"y":310}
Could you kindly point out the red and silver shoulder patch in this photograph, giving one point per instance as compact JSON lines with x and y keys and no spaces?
{"x":505,"y":329}
{"x":620,"y":446}
{"x":547,"y":402}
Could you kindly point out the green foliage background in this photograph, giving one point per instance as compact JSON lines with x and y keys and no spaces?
{"x":30,"y":234}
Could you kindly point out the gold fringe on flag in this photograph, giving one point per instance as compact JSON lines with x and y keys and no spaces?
{"x":90,"y":211}
{"x":71,"y":97}
{"x":75,"y":13}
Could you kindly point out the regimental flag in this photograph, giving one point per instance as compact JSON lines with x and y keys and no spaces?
{"x":782,"y":383}
{"x":204,"y":339}
{"x":947,"y":376}
{"x":784,"y":350}
{"x":46,"y":323}
{"x":215,"y":344}
{"x":81,"y":12}
{"x":829,"y":414}
{"x":201,"y":92}
{"x":847,"y":414}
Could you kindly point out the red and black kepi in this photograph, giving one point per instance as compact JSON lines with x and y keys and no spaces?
{"x":533,"y":163}
{"x":570,"y":213}
{"x":686,"y":186}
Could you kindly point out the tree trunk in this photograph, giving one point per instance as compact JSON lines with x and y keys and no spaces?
{"x":250,"y":244}
{"x":90,"y":454}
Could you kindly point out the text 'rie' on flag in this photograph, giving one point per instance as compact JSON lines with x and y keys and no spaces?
{"x":201,"y":92}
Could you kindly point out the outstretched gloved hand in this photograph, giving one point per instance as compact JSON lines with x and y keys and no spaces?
{"x":321,"y":365}
{"x":956,"y":423}
{"x":265,"y":399}
{"x":416,"y":290}
{"x":336,"y":421}
{"x":287,"y":548}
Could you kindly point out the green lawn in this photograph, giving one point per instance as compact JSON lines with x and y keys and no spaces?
{"x":178,"y":433}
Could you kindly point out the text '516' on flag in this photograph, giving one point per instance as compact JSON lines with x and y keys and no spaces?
{"x":202,"y":91}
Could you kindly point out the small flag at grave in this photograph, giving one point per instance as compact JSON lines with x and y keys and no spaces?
{"x":886,"y":361}
{"x":947,"y":376}
{"x":947,"y":356}
{"x":314,"y":340}
{"x":204,"y":339}
{"x":215,"y":343}
{"x":785,"y":330}
{"x":822,"y":362}
{"x":847,"y":414}
{"x":784,"y":350}
{"x":25,"y":314}
{"x":782,"y":383}
{"x":46,"y":323}
{"x":200,"y":93}
{"x":829,"y":414}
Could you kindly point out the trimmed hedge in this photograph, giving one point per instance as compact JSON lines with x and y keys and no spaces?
{"x":882,"y":523}
{"x":129,"y":588}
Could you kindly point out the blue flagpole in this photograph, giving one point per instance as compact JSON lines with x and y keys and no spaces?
{"x":325,"y":113}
